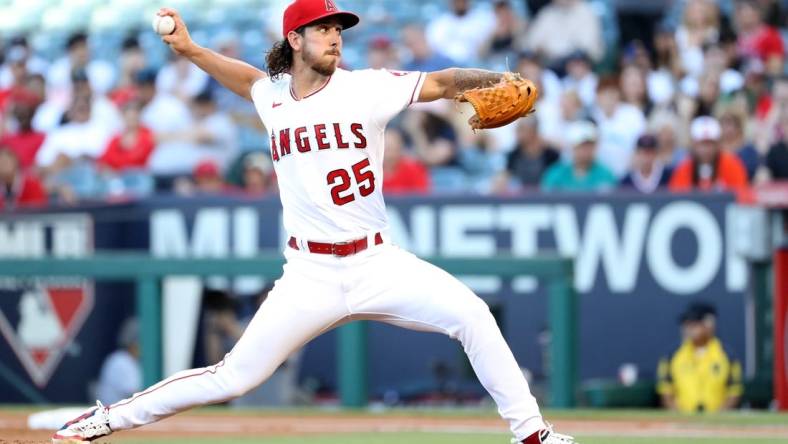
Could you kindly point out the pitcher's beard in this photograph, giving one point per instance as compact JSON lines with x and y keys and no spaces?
{"x":325,"y":68}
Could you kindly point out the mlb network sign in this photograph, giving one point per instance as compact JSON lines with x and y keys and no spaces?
{"x":39,"y":317}
{"x":682,"y":245}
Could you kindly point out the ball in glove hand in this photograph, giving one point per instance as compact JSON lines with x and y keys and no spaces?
{"x":163,"y":24}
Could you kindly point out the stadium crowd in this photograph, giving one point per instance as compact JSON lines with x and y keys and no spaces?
{"x":701,"y":103}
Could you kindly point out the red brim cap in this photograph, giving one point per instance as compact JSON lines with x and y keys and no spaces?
{"x":303,"y":12}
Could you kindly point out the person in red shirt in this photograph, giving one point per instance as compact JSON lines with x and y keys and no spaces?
{"x":131,"y":148}
{"x":401,"y":173}
{"x":18,"y":190}
{"x":756,"y":38}
{"x":708,"y":167}
{"x":26,"y":141}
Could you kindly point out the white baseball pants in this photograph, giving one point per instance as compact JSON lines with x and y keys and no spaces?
{"x":319,"y":292}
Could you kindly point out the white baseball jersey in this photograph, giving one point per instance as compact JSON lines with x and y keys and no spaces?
{"x":327,"y":149}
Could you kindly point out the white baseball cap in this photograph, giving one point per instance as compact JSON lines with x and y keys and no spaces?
{"x":581,"y":132}
{"x":705,"y":128}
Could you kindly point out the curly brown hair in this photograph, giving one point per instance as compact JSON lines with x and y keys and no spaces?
{"x":280,"y":58}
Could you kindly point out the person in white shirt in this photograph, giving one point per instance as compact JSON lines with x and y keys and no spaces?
{"x":102,"y":74}
{"x":327,"y":128}
{"x":461,"y":33}
{"x":564,"y":26}
{"x":619,"y":123}
{"x":121,"y":372}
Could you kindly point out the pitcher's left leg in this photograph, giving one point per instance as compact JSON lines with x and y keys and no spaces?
{"x":397,"y":287}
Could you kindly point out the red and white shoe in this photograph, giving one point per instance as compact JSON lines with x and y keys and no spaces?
{"x":87,"y":427}
{"x":547,"y":436}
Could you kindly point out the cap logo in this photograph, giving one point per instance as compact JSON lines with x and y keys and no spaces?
{"x":331,"y":6}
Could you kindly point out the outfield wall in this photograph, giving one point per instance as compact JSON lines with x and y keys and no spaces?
{"x":639,"y":261}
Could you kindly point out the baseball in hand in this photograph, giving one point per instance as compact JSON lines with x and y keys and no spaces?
{"x":163,"y":24}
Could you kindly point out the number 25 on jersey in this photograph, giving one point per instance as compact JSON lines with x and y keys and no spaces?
{"x":340,"y":182}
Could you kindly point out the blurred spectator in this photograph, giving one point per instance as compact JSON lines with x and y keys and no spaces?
{"x":130,"y":148}
{"x":633,"y":89}
{"x":258,"y":174}
{"x":181,"y":78}
{"x":433,"y":138}
{"x":222,"y":328}
{"x":777,"y":161}
{"x":205,"y":178}
{"x":164,"y":114}
{"x":382,"y":54}
{"x":52,"y":114}
{"x":648,"y":173}
{"x":708,"y":167}
{"x":18,"y":189}
{"x":701,"y":376}
{"x":583,"y":173}
{"x":620,"y":124}
{"x":401,"y":172}
{"x":701,"y":97}
{"x":700,"y":25}
{"x":527,"y":162}
{"x":81,"y":137}
{"x":554,"y":120}
{"x":666,"y":51}
{"x":529,"y":65}
{"x":19,"y":53}
{"x":756,"y":38}
{"x":461,"y":32}
{"x":580,"y":77}
{"x":580,"y":28}
{"x":101,"y":74}
{"x":718,"y":60}
{"x":211,"y":135}
{"x":668,"y":129}
{"x":508,"y":26}
{"x":132,"y":61}
{"x":121,"y":372}
{"x":733,"y":141}
{"x":24,"y":141}
{"x":422,"y":57}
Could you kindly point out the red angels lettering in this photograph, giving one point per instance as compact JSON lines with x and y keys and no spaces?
{"x":274,"y":153}
{"x":330,"y":6}
{"x":284,"y":141}
{"x":320,"y":134}
{"x":358,"y":130}
{"x":302,"y":143}
{"x":338,"y":135}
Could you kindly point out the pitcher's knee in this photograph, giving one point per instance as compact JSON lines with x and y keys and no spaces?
{"x":236,"y":383}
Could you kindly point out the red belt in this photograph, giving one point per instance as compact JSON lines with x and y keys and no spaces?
{"x":341,"y":249}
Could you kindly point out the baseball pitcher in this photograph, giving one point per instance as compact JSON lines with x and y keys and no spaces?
{"x":326,"y":126}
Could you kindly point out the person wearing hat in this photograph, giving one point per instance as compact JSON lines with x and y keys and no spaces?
{"x":648,"y":173}
{"x":258,"y":174}
{"x":327,"y":127}
{"x":708,"y":166}
{"x":700,"y":376}
{"x":583,"y":172}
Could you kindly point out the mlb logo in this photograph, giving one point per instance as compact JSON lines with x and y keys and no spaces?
{"x":41,"y":316}
{"x":40,"y":321}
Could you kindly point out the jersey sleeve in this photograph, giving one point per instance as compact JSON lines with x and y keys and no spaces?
{"x":259,"y":93}
{"x":391,"y":91}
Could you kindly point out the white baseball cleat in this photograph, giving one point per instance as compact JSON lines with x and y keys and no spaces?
{"x":547,"y":436}
{"x":87,"y":427}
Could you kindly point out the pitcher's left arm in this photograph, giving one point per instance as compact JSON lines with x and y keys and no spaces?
{"x":446,"y":84}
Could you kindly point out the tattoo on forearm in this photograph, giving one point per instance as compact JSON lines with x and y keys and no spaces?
{"x":465,"y":79}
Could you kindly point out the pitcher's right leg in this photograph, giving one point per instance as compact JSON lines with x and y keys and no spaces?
{"x":305,"y":302}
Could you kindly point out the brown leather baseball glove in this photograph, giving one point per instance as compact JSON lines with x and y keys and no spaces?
{"x":500,"y":104}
